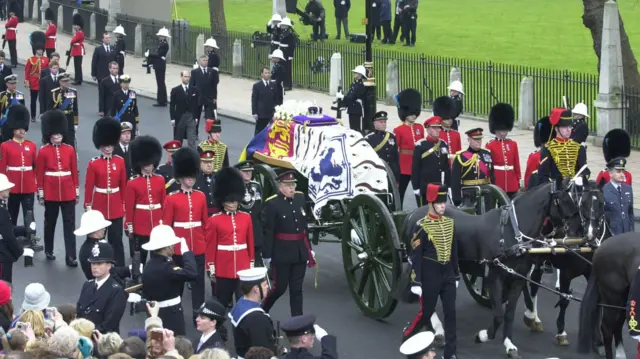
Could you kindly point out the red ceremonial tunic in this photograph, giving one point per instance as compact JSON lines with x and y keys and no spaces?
{"x":57,"y":173}
{"x":11,"y":27}
{"x":533,"y":163}
{"x":406,"y":137}
{"x":229,"y":243}
{"x":50,"y":33}
{"x":17,"y":162}
{"x":77,"y":44}
{"x":453,"y":141}
{"x":32,"y":71}
{"x":506,"y":163}
{"x":104,"y":187}
{"x":186,"y":212}
{"x":143,"y":203}
{"x":604,"y":176}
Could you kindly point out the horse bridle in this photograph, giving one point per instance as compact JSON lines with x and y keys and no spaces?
{"x":563,"y":217}
{"x":587,"y":222}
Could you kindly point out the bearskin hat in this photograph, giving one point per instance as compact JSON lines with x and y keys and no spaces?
{"x":409,"y":103}
{"x":49,"y":15}
{"x":229,"y":186}
{"x":444,"y":107}
{"x":186,"y":163}
{"x":543,"y":131}
{"x":53,"y":122}
{"x":501,"y":118}
{"x":78,"y":20}
{"x":616,"y":143}
{"x":106,"y":132}
{"x":145,"y":150}
{"x":18,"y":117}
{"x":37,"y":41}
{"x":14,"y":7}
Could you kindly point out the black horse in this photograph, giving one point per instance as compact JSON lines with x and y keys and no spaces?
{"x":570,"y":264}
{"x":615,"y":265}
{"x":493,"y":242}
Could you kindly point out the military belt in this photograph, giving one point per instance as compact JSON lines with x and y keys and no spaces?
{"x":187,"y":225}
{"x":503,"y":168}
{"x":232,"y":247}
{"x":291,"y":236}
{"x":475,"y":182}
{"x":107,"y":190}
{"x":149,"y":207}
{"x":406,"y":152}
{"x":19,"y":168}
{"x":58,"y":174}
{"x":169,"y":302}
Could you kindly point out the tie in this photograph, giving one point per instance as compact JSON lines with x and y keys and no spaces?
{"x":94,"y":287}
{"x":107,"y":48}
{"x":620,"y":191}
{"x":126,"y":148}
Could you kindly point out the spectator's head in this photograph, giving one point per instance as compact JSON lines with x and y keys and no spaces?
{"x":106,"y":38}
{"x":36,"y":318}
{"x":265,"y":74}
{"x":83,"y":326}
{"x":119,"y":356}
{"x":134,"y":347}
{"x":68,"y":312}
{"x":38,"y":348}
{"x":109,"y":344}
{"x":203,"y":60}
{"x":184,"y":347}
{"x":216,"y":353}
{"x":55,"y":56}
{"x":6,"y":303}
{"x":114,"y":68}
{"x":14,"y":340}
{"x":35,"y":297}
{"x":259,"y":353}
{"x":2,"y":55}
{"x":64,"y":342}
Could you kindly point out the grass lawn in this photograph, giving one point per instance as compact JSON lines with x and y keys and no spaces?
{"x":541,"y":33}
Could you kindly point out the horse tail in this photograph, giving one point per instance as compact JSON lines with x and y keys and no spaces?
{"x":588,"y":316}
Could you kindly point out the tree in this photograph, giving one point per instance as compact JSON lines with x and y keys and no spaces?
{"x":217,"y":18}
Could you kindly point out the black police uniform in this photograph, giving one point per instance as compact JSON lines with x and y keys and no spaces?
{"x":278,"y":75}
{"x":301,"y":325}
{"x":434,"y":261}
{"x":385,"y":145}
{"x":430,"y":161}
{"x":213,"y":310}
{"x":10,"y":248}
{"x":84,"y":254}
{"x":252,"y":204}
{"x":354,"y":100}
{"x":6,"y":99}
{"x":102,"y":302}
{"x":166,"y":171}
{"x":288,"y":41}
{"x":58,"y":101}
{"x":163,"y":280}
{"x":204,"y":183}
{"x":130,"y":114}
{"x":159,"y":62}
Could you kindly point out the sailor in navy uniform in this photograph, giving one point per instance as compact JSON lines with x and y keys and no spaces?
{"x":618,"y":199}
{"x":210,"y":317}
{"x":252,"y":327}
{"x":384,"y":143}
{"x":419,"y":346}
{"x":301,"y":332}
{"x":252,"y":204}
{"x":102,"y":300}
{"x":354,"y":99}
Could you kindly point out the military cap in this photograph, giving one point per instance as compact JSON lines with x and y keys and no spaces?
{"x":102,"y":252}
{"x":212,"y":125}
{"x":299,"y":325}
{"x":11,"y":79}
{"x":380,"y":115}
{"x":418,"y":345}
{"x":561,"y":117}
{"x":64,"y":77}
{"x":125,"y":126}
{"x":125,"y":79}
{"x":253,"y":275}
{"x":244,"y":166}
{"x":207,"y":156}
{"x":433,"y":121}
{"x":618,"y":163}
{"x":475,"y":133}
{"x":172,"y":146}
{"x":212,"y":309}
{"x":287,"y":177}
{"x":436,"y":193}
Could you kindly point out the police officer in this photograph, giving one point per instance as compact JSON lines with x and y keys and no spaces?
{"x":473,"y":167}
{"x":301,"y":333}
{"x":205,"y":182}
{"x":354,"y":99}
{"x":288,"y":41}
{"x":125,"y":106}
{"x":211,"y":317}
{"x":504,"y":151}
{"x":618,"y":199}
{"x":121,"y":48}
{"x":434,"y":261}
{"x":384,"y":143}
{"x":163,"y":280}
{"x":277,"y":74}
{"x":273,"y":28}
{"x":102,"y":300}
{"x":94,"y":226}
{"x":166,"y":169}
{"x":252,"y":327}
{"x":10,"y":248}
{"x":213,"y":143}
{"x":287,"y":243}
{"x":158,"y":60}
{"x":430,"y":161}
{"x":65,"y":99}
{"x":580,"y":126}
{"x":616,"y":143}
{"x":252,"y":203}
{"x":9,"y":98}
{"x":419,"y":346}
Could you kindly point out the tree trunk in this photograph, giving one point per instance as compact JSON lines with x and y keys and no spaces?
{"x":592,"y":19}
{"x":216,"y":16}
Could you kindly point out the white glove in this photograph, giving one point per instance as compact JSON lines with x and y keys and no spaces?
{"x":270,"y":23}
{"x":212,"y":269}
{"x":339,"y":95}
{"x":457,"y":283}
{"x":173,"y":123}
{"x":195,"y":66}
{"x":313,"y":254}
{"x":355,"y":238}
{"x":417,"y":290}
{"x":578,"y":181}
{"x":75,"y":127}
{"x":77,"y":192}
{"x":374,"y":5}
{"x":183,"y":246}
{"x":320,"y":333}
{"x":266,"y":261}
{"x":134,"y":298}
{"x":342,"y":3}
{"x":251,"y":264}
{"x":131,"y":268}
{"x":146,"y":54}
{"x":28,"y":252}
{"x":416,"y":192}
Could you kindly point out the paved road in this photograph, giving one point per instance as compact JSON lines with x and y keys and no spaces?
{"x":331,"y":301}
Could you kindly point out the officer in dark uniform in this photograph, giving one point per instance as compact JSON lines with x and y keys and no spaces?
{"x":252,"y":327}
{"x":384,"y":143}
{"x":125,"y":105}
{"x":65,"y":99}
{"x":286,"y":243}
{"x":580,"y":126}
{"x":430,"y":161}
{"x":288,"y":41}
{"x":434,"y":261}
{"x":252,"y":204}
{"x":102,"y":300}
{"x":473,"y":167}
{"x":618,"y":199}
{"x":10,"y":248}
{"x":210,"y":318}
{"x":278,"y":74}
{"x":301,"y":332}
{"x":206,"y":179}
{"x":8,"y":98}
{"x":158,"y":60}
{"x":273,"y":28}
{"x":166,"y":169}
{"x":419,"y":346}
{"x":213,"y":63}
{"x":354,"y":99}
{"x":163,"y":280}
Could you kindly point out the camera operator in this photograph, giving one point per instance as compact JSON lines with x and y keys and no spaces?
{"x":10,"y":248}
{"x":315,"y":10}
{"x":273,"y":28}
{"x":301,"y":332}
{"x":354,"y":99}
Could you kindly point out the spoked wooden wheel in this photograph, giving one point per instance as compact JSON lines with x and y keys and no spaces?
{"x":475,"y":283}
{"x":266,"y":176}
{"x":371,"y":255}
{"x":393,"y":202}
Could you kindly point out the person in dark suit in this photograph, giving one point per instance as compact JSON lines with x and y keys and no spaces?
{"x":618,"y":199}
{"x":210,"y":317}
{"x":184,"y":110}
{"x":263,"y":100}
{"x":206,"y":80}
{"x":342,"y":16}
{"x":108,"y":86}
{"x":48,"y":81}
{"x":47,"y":70}
{"x":122,"y":149}
{"x":102,"y":56}
{"x":102,"y":300}
{"x":158,"y":60}
{"x":5,"y":71}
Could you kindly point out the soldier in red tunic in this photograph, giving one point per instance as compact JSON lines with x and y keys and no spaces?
{"x":504,"y":151}
{"x":50,"y":33}
{"x":230,"y":246}
{"x":33,"y":68}
{"x":58,"y":188}
{"x":17,"y":162}
{"x":105,"y":183}
{"x":10,"y":33}
{"x":445,"y":108}
{"x":541,"y":134}
{"x":408,"y":133}
{"x":77,"y":52}
{"x":616,"y":143}
{"x":145,"y":193}
{"x":186,"y":211}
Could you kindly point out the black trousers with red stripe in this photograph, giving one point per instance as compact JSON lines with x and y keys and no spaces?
{"x":285,"y":275}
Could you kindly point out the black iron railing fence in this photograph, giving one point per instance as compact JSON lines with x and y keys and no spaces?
{"x":630,"y":99}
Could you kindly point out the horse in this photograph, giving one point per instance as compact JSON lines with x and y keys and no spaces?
{"x":615,"y":265}
{"x":569,"y":265}
{"x":494,"y":239}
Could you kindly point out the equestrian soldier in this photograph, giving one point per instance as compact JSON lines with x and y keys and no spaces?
{"x":384,"y":143}
{"x":419,"y":346}
{"x":125,"y":105}
{"x":542,"y":133}
{"x":213,"y":143}
{"x":445,"y":108}
{"x":408,"y":133}
{"x":50,"y":32}
{"x":287,"y":243}
{"x":288,"y":41}
{"x":580,"y":126}
{"x":252,"y":203}
{"x":186,"y":212}
{"x":434,"y":262}
{"x":206,"y":180}
{"x":121,"y":48}
{"x":473,"y":167}
{"x":504,"y":151}
{"x":273,"y":28}
{"x":105,"y":183}
{"x":300,"y":331}
{"x":77,"y":51}
{"x":33,"y":68}
{"x":158,"y":60}
{"x":9,"y":98}
{"x":166,"y":169}
{"x":58,"y":185}
{"x":11,"y":31}
{"x":618,"y":199}
{"x":562,"y":157}
{"x":145,"y":193}
{"x":430,"y":161}
{"x":65,"y":99}
{"x":456,"y":92}
{"x":616,"y":143}
{"x":354,"y":99}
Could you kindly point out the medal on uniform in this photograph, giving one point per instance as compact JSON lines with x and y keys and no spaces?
{"x":392,"y":142}
{"x":302,"y":211}
{"x":132,"y":95}
{"x":247,"y":196}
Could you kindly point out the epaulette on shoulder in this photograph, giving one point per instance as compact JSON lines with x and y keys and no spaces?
{"x":114,"y":155}
{"x":133,"y":177}
{"x":172,"y":193}
{"x":298,"y":192}
{"x":197,"y":190}
{"x":55,"y":89}
{"x":177,"y":268}
{"x":216,"y":214}
{"x":95,"y":158}
{"x":71,"y":88}
{"x":272,"y":197}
